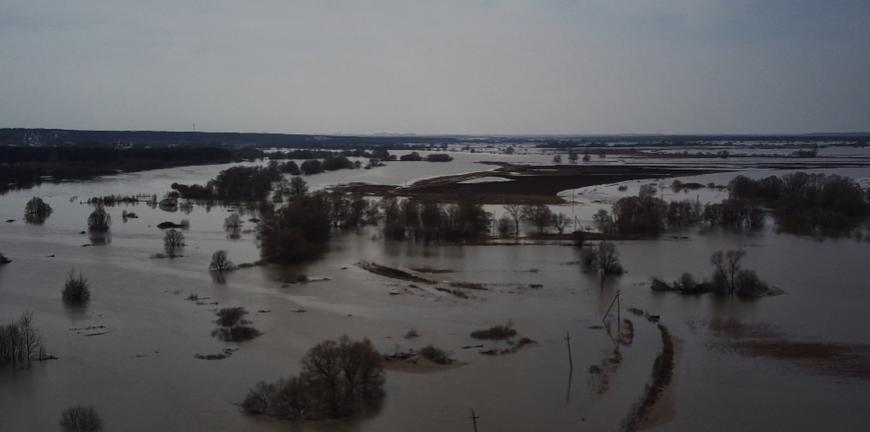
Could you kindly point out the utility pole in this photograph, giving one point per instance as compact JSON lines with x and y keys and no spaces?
{"x":474,"y":418}
{"x":570,"y":358}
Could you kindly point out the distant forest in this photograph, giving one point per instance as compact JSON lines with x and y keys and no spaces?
{"x":64,"y":137}
{"x":22,"y":167}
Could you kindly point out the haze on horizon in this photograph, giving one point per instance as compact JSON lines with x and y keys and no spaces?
{"x":458,"y":67}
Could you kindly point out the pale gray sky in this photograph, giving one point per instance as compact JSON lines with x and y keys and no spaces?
{"x":438,"y":66}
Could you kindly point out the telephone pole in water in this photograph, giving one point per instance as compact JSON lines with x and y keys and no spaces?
{"x":474,"y":418}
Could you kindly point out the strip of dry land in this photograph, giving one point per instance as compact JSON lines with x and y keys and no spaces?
{"x":521,"y":184}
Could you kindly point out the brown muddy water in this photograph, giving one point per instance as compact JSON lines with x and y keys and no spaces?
{"x":736,"y":366}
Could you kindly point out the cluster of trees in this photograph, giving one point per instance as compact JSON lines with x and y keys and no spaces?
{"x":20,"y":343}
{"x":338,"y":379}
{"x":379,"y":153}
{"x":253,"y":183}
{"x":232,"y":327}
{"x":807,"y":203}
{"x":538,"y":216}
{"x":432,"y":157}
{"x":647,"y":214}
{"x":22,"y":167}
{"x":238,"y":183}
{"x":729,"y":278}
{"x":36,"y":211}
{"x":411,"y":218}
{"x":298,"y":231}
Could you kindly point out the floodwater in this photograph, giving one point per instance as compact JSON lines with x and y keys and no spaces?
{"x":141,"y":373}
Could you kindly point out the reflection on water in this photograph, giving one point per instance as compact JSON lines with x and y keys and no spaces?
{"x":153,"y":332}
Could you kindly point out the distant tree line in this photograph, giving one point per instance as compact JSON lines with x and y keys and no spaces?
{"x":22,"y":167}
{"x":432,"y":157}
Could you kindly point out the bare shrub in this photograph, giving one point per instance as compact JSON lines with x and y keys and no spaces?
{"x":81,"y":418}
{"x":76,"y":290}
{"x":228,"y":317}
{"x":435,"y":355}
{"x":498,"y":332}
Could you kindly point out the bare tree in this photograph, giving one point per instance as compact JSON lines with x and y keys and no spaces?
{"x":726,"y":269}
{"x":603,"y":221}
{"x":515,"y":211}
{"x":220,"y":262}
{"x":608,"y":259}
{"x":81,"y":418}
{"x":298,"y":187}
{"x":538,"y":215}
{"x":173,"y":241}
{"x":560,"y":221}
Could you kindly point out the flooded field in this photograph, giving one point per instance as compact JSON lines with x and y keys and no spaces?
{"x":798,"y":361}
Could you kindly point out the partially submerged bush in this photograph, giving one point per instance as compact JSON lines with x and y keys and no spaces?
{"x":498,"y":332}
{"x":237,"y":333}
{"x":220,"y":262}
{"x":729,"y":278}
{"x":338,"y":379}
{"x":76,"y":290}
{"x":232,"y":327}
{"x":99,"y":220}
{"x":435,"y":355}
{"x":228,"y":317}
{"x":603,"y":259}
{"x":36,"y":210}
{"x":81,"y":418}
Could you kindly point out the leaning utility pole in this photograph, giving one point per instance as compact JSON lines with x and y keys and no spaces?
{"x":474,"y":418}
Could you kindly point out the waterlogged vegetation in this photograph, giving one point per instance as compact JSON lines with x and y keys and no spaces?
{"x":338,"y":379}
{"x":431,"y":266}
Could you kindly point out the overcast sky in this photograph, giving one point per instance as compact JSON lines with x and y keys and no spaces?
{"x":437,"y":66}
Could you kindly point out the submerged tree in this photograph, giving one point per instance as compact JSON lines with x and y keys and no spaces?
{"x":603,"y":259}
{"x":338,"y":379}
{"x":173,"y":242}
{"x":20,"y":342}
{"x":515,"y":212}
{"x":538,"y":215}
{"x":81,"y":418}
{"x":100,"y":220}
{"x":297,"y":232}
{"x":76,"y":290}
{"x":298,"y":187}
{"x":36,"y":211}
{"x":220,"y":262}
